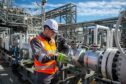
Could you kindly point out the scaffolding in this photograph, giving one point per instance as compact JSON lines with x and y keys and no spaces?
{"x":13,"y":20}
{"x":19,"y":20}
{"x":66,"y":13}
{"x":6,"y":3}
{"x":75,"y":33}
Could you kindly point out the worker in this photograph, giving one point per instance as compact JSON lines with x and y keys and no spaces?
{"x":45,"y":56}
{"x":15,"y":54}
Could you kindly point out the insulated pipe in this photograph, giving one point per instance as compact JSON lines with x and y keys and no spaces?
{"x":116,"y":33}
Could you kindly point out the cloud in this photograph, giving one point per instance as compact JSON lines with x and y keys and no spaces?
{"x":26,"y":6}
{"x":35,"y":7}
{"x":32,"y":8}
{"x":38,"y":5}
{"x":54,"y":5}
{"x":99,"y":8}
{"x":89,"y":8}
{"x":33,"y":12}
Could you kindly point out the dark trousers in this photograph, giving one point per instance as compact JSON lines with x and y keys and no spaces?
{"x":42,"y":78}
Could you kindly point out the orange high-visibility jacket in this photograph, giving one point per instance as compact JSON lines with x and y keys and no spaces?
{"x":50,"y":66}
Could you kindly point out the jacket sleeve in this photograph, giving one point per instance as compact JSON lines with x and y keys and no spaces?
{"x":39,"y":53}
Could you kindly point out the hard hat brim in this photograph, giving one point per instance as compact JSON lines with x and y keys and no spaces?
{"x":55,"y":31}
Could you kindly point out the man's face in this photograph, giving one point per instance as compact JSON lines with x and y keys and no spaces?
{"x":50,"y":33}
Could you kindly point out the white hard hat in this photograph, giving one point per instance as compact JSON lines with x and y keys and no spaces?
{"x":52,"y":25}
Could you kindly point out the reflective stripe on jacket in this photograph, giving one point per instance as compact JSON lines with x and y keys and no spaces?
{"x":50,"y":66}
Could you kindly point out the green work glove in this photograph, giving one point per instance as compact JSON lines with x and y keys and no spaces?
{"x":62,"y":58}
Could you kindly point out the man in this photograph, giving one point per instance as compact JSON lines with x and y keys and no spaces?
{"x":44,"y":52}
{"x":15,"y":54}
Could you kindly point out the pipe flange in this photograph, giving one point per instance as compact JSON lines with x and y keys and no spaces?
{"x":121,"y":69}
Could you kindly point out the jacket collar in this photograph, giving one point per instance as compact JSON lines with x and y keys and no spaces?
{"x":45,"y":37}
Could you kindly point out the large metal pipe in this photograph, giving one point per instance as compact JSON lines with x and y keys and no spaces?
{"x":109,"y":63}
{"x":91,"y":59}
